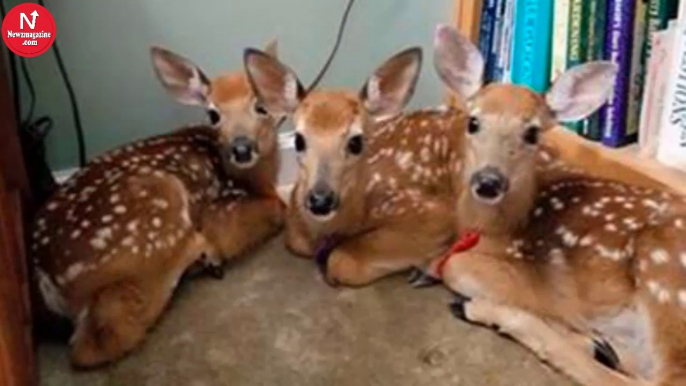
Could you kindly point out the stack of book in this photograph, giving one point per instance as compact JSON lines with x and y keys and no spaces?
{"x":531,"y":42}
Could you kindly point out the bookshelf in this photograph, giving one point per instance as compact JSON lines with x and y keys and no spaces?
{"x":624,"y":164}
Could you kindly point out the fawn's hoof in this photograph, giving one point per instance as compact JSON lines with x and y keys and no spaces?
{"x":215,"y":271}
{"x":457,"y":307}
{"x":605,"y":354}
{"x":321,"y":257}
{"x":420,"y":279}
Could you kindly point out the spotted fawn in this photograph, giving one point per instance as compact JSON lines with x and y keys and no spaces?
{"x":567,"y":262}
{"x":111,"y":244}
{"x":372,"y":196}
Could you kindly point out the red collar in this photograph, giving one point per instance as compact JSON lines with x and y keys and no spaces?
{"x":468,"y":241}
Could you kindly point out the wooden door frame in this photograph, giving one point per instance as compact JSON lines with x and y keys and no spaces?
{"x":17,"y":352}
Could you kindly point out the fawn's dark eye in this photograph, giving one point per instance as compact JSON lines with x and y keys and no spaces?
{"x":299,"y":143}
{"x":473,"y":126}
{"x":214,"y":116}
{"x":531,"y":135}
{"x":355,"y":145}
{"x":260,"y":110}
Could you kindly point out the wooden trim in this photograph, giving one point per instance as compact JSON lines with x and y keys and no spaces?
{"x":16,"y":345}
{"x":17,"y":366}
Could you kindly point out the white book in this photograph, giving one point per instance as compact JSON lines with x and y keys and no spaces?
{"x":657,"y":76}
{"x":560,"y":30}
{"x":671,"y":148}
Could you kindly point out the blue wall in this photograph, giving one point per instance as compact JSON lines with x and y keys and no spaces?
{"x":105,"y":47}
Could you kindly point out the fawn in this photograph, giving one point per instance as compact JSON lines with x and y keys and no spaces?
{"x":111,"y":244}
{"x":563,"y":258}
{"x":368,"y":175}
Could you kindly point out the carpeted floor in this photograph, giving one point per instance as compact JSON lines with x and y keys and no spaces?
{"x":271,"y":321}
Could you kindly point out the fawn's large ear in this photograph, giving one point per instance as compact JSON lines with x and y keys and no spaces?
{"x":272,"y":48}
{"x":458,"y":62}
{"x":276,"y":85}
{"x":392,"y":85}
{"x":581,"y":90}
{"x":180,"y":77}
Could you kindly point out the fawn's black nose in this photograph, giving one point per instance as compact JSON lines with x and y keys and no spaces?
{"x":489,"y":184}
{"x":243,"y":150}
{"x":322,"y":201}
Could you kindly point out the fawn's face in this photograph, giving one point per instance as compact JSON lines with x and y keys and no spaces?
{"x":505,"y":121}
{"x":330,"y":139}
{"x":331,"y":127}
{"x":503,"y":130}
{"x":246,"y":129}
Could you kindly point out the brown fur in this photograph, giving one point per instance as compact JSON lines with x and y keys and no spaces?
{"x":112,"y":243}
{"x":567,"y":249}
{"x":400,"y":180}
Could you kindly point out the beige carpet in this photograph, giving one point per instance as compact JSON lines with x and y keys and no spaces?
{"x":271,"y":321}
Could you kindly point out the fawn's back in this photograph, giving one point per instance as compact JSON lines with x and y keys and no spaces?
{"x":126,"y":206}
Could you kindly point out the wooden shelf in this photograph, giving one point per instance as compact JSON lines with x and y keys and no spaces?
{"x":625,"y":164}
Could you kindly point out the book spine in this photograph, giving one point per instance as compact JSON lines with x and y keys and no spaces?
{"x":532,"y":44}
{"x":508,"y":36}
{"x":657,"y":73}
{"x":672,"y":143}
{"x":560,"y":39}
{"x":596,"y":47}
{"x":497,"y":44}
{"x":659,"y":13}
{"x":486,"y":36}
{"x":618,"y":40}
{"x":637,"y":74}
{"x":577,"y":46}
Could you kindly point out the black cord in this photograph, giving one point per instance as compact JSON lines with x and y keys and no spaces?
{"x":32,"y":91}
{"x":80,"y":138}
{"x":332,"y":55}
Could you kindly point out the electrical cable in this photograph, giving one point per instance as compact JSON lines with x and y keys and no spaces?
{"x":329,"y":60}
{"x":80,"y":138}
{"x":337,"y":44}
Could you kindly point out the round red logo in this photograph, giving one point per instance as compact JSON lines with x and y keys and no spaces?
{"x":28,"y":30}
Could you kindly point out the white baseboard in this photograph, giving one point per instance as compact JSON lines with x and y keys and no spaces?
{"x":64,"y":174}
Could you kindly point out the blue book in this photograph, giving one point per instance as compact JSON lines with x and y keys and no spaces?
{"x":486,"y":35}
{"x":618,"y":45}
{"x":532,"y":44}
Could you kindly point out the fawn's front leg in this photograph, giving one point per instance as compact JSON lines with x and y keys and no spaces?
{"x":543,"y":340}
{"x":297,"y":238}
{"x":234,"y":226}
{"x":394,"y":248}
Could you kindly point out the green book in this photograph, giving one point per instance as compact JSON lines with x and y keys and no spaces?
{"x":596,"y":51}
{"x":637,"y":76}
{"x":577,"y":43}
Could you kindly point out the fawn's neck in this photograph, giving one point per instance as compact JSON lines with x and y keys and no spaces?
{"x":261,"y":178}
{"x":499,"y":220}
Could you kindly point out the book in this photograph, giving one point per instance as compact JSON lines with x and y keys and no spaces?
{"x":469,"y":22}
{"x":658,"y":14}
{"x":497,"y":69}
{"x":637,"y":74}
{"x":596,"y":47}
{"x":532,"y":44}
{"x":486,"y":36}
{"x":505,"y":59}
{"x":560,"y":39}
{"x":577,"y":46}
{"x":618,"y":41}
{"x":671,"y":148}
{"x":657,"y":75}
